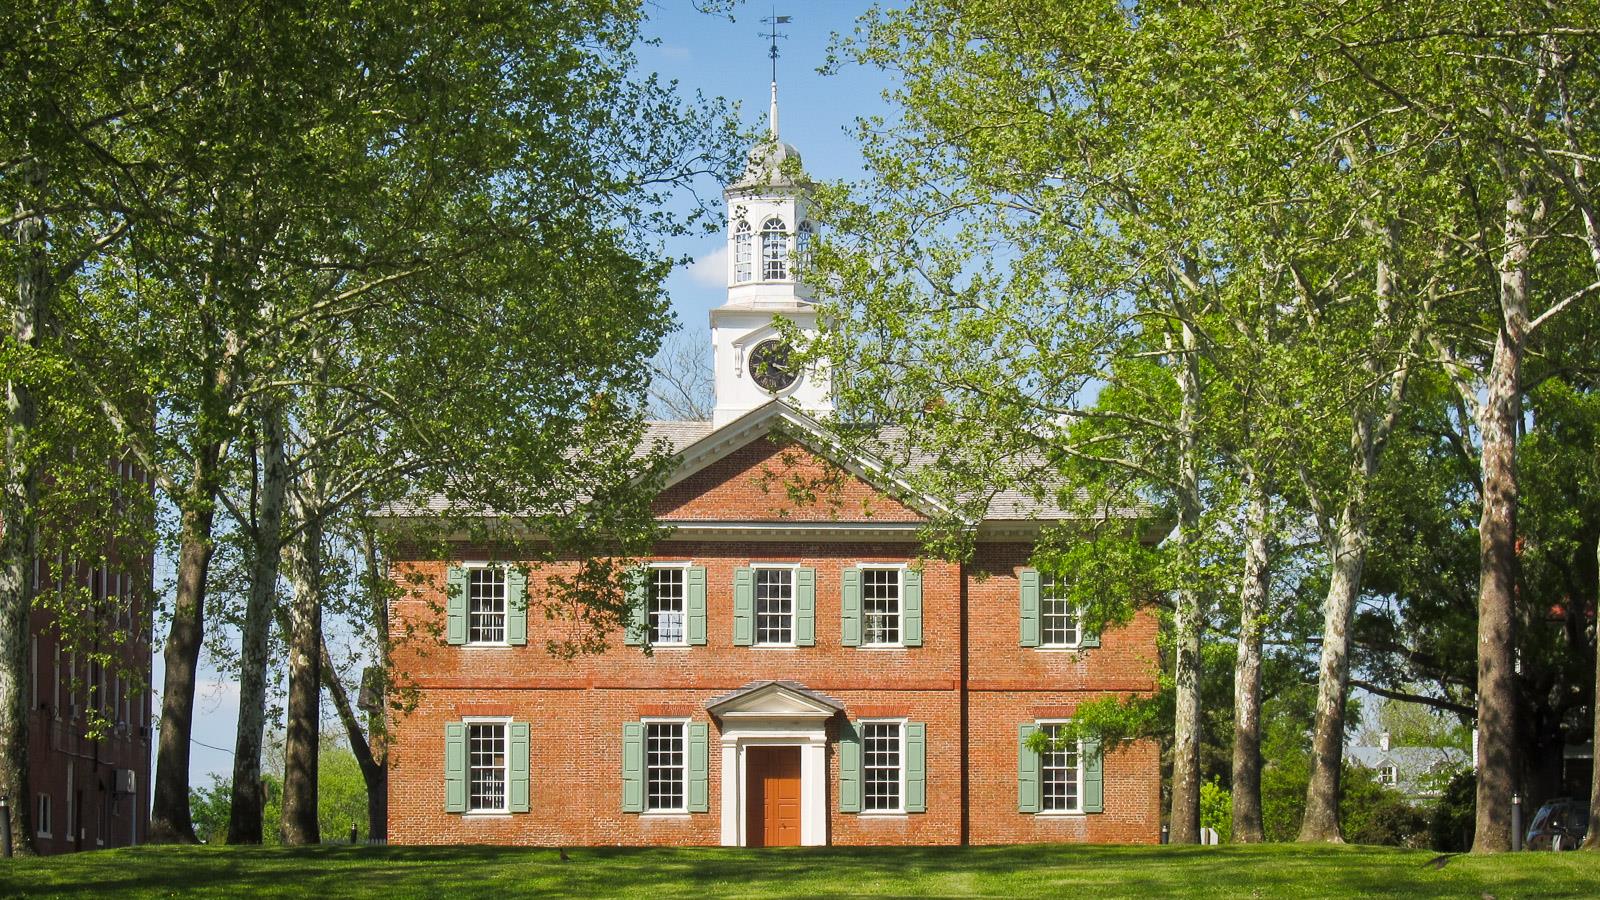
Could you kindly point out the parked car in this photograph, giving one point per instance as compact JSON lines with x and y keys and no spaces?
{"x":1558,"y":825}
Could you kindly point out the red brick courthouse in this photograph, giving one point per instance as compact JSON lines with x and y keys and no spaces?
{"x":812,"y":681}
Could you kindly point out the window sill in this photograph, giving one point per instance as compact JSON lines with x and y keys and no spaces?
{"x":486,"y":814}
{"x":883,"y":647}
{"x":668,"y":814}
{"x":672,"y":646}
{"x":486,"y":646}
{"x":1063,"y":648}
{"x":775,"y":647}
{"x":1060,"y":814}
{"x":883,"y":814}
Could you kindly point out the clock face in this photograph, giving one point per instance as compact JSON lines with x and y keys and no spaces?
{"x":769,"y":366}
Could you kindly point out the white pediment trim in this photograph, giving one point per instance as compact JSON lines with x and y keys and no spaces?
{"x":772,"y":701}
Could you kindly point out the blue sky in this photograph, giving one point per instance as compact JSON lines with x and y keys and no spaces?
{"x":719,"y":58}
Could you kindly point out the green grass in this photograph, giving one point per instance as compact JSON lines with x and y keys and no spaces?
{"x":1063,"y":871}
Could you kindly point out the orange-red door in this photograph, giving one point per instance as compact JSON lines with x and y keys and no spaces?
{"x":773,"y":817}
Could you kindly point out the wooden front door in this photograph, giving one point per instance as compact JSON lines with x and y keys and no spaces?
{"x":772,"y":818}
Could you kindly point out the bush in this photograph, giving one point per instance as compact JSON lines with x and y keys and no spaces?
{"x":1369,"y":813}
{"x":1454,"y":816}
{"x":1216,"y":809}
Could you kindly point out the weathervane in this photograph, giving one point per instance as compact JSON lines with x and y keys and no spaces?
{"x":774,"y":21}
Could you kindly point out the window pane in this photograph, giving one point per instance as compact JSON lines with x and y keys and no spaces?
{"x":1059,"y":618}
{"x":774,"y":606}
{"x":666,"y":606}
{"x":1058,"y":775}
{"x":880,"y":605}
{"x":486,"y":605}
{"x":880,"y":757}
{"x":742,"y":241}
{"x":664,"y":765}
{"x":774,"y":250}
{"x":486,"y":752}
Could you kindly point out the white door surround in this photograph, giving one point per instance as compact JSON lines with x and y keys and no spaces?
{"x":775,"y":714}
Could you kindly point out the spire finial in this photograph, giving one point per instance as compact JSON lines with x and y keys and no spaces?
{"x":773,"y":21}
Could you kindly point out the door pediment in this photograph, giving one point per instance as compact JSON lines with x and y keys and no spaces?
{"x":774,"y":700}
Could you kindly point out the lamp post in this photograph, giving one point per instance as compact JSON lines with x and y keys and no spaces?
{"x":5,"y":827}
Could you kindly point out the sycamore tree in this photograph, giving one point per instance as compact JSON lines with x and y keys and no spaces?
{"x":440,"y":172}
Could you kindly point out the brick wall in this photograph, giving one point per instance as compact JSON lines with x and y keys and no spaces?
{"x":982,"y":681}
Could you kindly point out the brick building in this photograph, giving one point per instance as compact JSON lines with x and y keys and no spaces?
{"x":88,"y":784}
{"x":810,"y":680}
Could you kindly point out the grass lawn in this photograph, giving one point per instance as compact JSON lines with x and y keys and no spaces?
{"x":1072,"y":872}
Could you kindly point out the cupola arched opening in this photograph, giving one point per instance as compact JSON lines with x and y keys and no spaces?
{"x":774,"y":250}
{"x":743,"y":258}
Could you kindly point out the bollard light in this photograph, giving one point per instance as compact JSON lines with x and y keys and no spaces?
{"x":1516,"y":820}
{"x":5,"y":827}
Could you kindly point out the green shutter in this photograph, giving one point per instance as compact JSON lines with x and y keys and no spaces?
{"x":633,"y":767}
{"x":519,"y":767}
{"x":516,"y":607}
{"x":805,"y":607}
{"x":455,"y":767}
{"x":1028,"y":584}
{"x":699,"y":767}
{"x":916,"y":767}
{"x":635,"y":623}
{"x":744,"y":630}
{"x":850,"y":607}
{"x":1027,"y":771}
{"x":1093,"y":778}
{"x":911,"y":610}
{"x":696,"y":604}
{"x":455,"y":593}
{"x":849,"y":768}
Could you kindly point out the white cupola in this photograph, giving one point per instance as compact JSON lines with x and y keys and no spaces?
{"x":769,"y":232}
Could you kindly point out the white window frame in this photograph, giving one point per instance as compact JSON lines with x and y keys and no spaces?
{"x":44,"y":820}
{"x":683,"y":567}
{"x":1045,"y":582}
{"x":744,"y":240}
{"x":72,"y":808}
{"x":467,"y":569}
{"x":1078,"y":810}
{"x":779,"y":259}
{"x":505,"y":723}
{"x":683,"y":735}
{"x":755,"y":603}
{"x":1389,"y":776}
{"x":900,"y":605}
{"x":903,"y":725}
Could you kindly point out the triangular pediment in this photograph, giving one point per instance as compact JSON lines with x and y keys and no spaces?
{"x":774,"y":700}
{"x":777,"y":421}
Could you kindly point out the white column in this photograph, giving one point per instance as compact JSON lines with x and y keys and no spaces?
{"x":814,"y":793}
{"x":732,"y":763}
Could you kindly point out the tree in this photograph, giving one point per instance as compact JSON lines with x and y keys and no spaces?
{"x":681,"y":380}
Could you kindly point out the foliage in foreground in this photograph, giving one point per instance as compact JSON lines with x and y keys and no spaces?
{"x":396,"y":872}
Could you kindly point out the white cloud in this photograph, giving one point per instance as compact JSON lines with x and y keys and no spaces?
{"x":711,"y":270}
{"x":675,"y":52}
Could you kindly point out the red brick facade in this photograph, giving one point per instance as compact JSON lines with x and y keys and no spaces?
{"x":969,"y":682}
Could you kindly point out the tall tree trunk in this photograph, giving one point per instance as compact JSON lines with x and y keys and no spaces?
{"x":1349,"y":552}
{"x":1591,"y":841}
{"x":19,"y":501}
{"x":1184,"y":814}
{"x":1498,"y":418}
{"x":1253,"y":592}
{"x":299,"y":823}
{"x":374,"y":774}
{"x":244,"y":819}
{"x":169,"y":806}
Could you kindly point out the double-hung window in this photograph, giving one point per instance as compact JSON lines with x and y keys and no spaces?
{"x":667,"y":607}
{"x":1058,"y":616}
{"x":42,"y":821}
{"x":774,"y":606}
{"x":880,"y":607}
{"x":1060,"y":774}
{"x":487,"y":775}
{"x":666,"y":766}
{"x":774,"y":250}
{"x":883,"y":766}
{"x":486,"y":605}
{"x":743,"y":253}
{"x":1389,"y":775}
